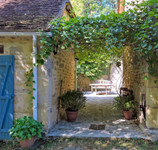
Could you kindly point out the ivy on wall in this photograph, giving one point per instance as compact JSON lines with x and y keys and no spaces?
{"x":106,"y":35}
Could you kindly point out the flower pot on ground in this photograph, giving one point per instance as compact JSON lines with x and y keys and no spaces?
{"x":27,"y":142}
{"x":26,"y":129}
{"x":127,"y":104}
{"x":80,"y":89}
{"x":72,"y":101}
{"x":128,"y":114}
{"x":71,"y":115}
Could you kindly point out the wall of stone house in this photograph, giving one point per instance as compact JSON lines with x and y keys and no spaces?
{"x":151,"y":102}
{"x":55,"y":77}
{"x":133,"y":76}
{"x":134,"y":79}
{"x":21,"y":48}
{"x":64,"y":71}
{"x":58,"y":69}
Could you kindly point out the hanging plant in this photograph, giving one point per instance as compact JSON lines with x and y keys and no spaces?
{"x":118,"y":64}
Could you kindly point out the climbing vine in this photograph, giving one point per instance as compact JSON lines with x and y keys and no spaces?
{"x":29,"y":76}
{"x":106,"y":35}
{"x":92,"y":37}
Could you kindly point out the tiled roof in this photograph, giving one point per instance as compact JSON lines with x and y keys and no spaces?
{"x":28,"y":15}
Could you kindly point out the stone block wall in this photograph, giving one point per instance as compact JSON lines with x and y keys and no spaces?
{"x":21,"y":48}
{"x":133,"y":77}
{"x":64,"y":80}
{"x":57,"y":67}
{"x":151,"y":102}
{"x":55,"y":77}
{"x":83,"y":82}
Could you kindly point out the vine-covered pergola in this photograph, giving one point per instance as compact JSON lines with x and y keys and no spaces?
{"x":91,"y":38}
{"x":106,"y":35}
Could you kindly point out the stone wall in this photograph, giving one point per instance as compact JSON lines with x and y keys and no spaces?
{"x":133,"y":77}
{"x":21,"y":48}
{"x":57,"y":68}
{"x":151,"y":102}
{"x":83,"y":82}
{"x":55,"y":77}
{"x":64,"y":77}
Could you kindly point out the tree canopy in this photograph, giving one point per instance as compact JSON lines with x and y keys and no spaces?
{"x":93,"y":8}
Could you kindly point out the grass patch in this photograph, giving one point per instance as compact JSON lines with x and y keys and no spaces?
{"x":87,"y":144}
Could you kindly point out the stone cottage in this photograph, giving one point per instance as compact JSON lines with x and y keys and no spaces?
{"x":19,"y":43}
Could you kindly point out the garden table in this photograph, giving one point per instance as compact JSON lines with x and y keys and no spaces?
{"x":96,"y":86}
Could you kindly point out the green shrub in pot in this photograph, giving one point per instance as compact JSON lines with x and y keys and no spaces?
{"x":72,"y":101}
{"x":127,"y":104}
{"x":26,"y":128}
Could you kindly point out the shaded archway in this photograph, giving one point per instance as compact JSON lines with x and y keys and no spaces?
{"x":92,"y":37}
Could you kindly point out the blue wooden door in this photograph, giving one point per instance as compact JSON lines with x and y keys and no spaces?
{"x":6,"y":94}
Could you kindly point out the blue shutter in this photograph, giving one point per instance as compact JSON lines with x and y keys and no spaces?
{"x":6,"y":95}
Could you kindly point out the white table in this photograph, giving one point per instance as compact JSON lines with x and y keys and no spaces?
{"x":101,"y":86}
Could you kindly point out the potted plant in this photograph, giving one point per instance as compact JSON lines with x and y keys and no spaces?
{"x":72,"y":101}
{"x":26,"y":129}
{"x":127,"y":104}
{"x":79,"y":88}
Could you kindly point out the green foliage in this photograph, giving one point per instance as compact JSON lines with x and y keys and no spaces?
{"x":25,"y":128}
{"x":125,"y":103}
{"x":73,"y":100}
{"x":93,"y":70}
{"x":29,"y":83}
{"x":93,"y":7}
{"x":107,"y":35}
{"x":90,"y":143}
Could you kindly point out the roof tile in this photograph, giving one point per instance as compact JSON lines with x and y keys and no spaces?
{"x":28,"y":15}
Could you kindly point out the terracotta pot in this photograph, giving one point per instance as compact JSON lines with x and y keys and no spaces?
{"x":71,"y":115}
{"x":128,"y":114}
{"x":80,"y":89}
{"x":27,"y":143}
